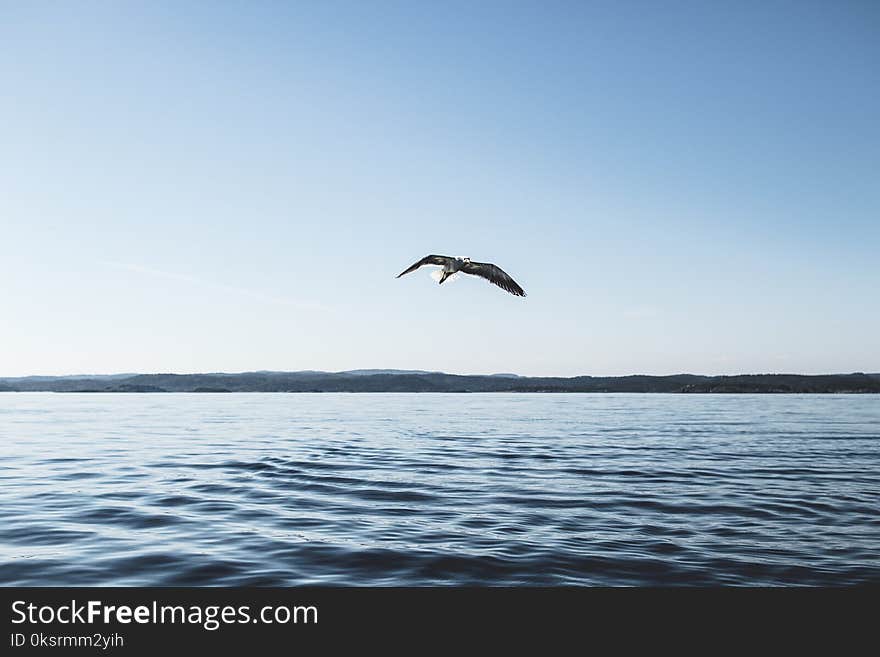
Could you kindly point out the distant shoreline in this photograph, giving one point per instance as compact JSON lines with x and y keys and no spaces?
{"x":418,"y":381}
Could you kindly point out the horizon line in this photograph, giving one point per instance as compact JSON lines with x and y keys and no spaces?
{"x":419,"y":372}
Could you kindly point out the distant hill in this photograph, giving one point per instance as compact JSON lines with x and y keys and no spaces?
{"x":788,"y":383}
{"x":371,"y":372}
{"x":420,"y":381}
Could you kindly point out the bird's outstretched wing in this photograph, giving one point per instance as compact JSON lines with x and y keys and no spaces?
{"x":494,"y":274}
{"x":427,"y":260}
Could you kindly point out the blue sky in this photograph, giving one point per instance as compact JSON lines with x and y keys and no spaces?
{"x":679,"y":186}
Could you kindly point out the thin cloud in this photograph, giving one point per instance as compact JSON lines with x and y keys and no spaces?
{"x":641,"y":312}
{"x":232,"y":289}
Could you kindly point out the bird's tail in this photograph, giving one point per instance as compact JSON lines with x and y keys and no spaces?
{"x":443,"y":276}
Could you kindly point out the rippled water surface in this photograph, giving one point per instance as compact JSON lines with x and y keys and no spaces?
{"x":423,"y":489}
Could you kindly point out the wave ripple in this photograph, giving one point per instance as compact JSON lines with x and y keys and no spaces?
{"x":426,"y":489}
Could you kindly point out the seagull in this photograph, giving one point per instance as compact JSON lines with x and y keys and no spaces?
{"x":492,"y":273}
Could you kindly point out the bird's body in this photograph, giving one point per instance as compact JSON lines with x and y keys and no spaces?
{"x":453,"y":265}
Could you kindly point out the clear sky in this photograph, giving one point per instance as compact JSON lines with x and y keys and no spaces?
{"x":230,"y":186}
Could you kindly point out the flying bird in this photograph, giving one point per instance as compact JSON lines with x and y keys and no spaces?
{"x":492,"y":273}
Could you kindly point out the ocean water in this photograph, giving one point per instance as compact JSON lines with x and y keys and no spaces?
{"x":439,"y":489}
